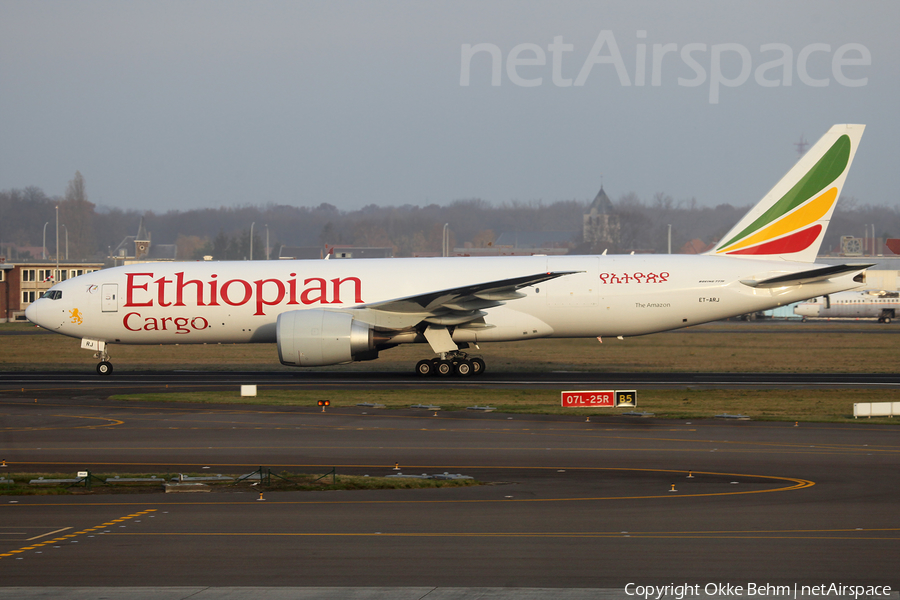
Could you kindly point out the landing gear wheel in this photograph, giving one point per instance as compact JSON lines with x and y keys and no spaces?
{"x":464,"y":368}
{"x":104,"y":368}
{"x":425,"y":368}
{"x":887,"y":320}
{"x":444,"y":368}
{"x":477,"y":366}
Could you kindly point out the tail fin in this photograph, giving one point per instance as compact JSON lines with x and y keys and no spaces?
{"x":789,"y":223}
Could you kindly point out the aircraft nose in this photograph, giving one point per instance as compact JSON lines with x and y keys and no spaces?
{"x":32,"y":313}
{"x":806,"y":310}
{"x":40,"y":312}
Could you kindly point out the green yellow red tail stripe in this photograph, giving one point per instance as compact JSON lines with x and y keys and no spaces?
{"x":792,"y":218}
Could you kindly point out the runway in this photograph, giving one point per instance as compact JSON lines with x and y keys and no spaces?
{"x":152,"y":381}
{"x":567,"y":504}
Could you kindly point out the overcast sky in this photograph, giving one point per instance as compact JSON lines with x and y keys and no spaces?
{"x":179,"y":105}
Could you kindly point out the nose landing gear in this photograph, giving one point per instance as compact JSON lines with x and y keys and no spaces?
{"x":99,"y":346}
{"x":104,"y":367}
{"x":451,"y":363}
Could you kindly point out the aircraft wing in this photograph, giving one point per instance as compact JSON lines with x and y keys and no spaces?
{"x":451,"y":306}
{"x":803,"y":277}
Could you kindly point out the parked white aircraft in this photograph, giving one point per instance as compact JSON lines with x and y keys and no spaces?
{"x":329,"y":312}
{"x":870,"y":304}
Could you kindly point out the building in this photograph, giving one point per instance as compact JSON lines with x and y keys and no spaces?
{"x":314,"y":252}
{"x":139,"y":248}
{"x":23,"y":282}
{"x":301,"y":253}
{"x":601,"y":224}
{"x":340,"y":251}
{"x":504,"y":251}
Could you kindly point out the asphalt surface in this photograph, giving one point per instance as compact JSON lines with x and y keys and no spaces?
{"x":88,"y":382}
{"x":567,"y":504}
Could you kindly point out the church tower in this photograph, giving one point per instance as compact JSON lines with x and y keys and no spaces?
{"x":601,"y":224}
{"x":141,"y":242}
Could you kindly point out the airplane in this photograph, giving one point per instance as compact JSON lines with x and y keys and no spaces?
{"x":327,"y":312}
{"x":869,"y":304}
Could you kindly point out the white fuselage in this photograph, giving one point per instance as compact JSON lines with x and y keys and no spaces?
{"x":851,"y":305}
{"x":209,"y":302}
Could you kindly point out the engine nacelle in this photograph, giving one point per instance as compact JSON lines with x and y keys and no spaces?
{"x":315,"y":337}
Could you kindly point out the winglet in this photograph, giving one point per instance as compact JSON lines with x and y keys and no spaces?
{"x":789,"y":223}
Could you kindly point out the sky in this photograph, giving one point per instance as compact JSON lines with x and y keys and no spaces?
{"x":172,"y":105}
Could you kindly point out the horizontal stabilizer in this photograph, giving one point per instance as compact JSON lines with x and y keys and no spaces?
{"x":804,"y":277}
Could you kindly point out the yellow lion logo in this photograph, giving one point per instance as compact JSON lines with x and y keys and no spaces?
{"x":75,"y":316}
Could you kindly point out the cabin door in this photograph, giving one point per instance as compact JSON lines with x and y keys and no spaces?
{"x":110,"y":297}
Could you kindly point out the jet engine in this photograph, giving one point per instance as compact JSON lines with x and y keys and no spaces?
{"x":315,"y":337}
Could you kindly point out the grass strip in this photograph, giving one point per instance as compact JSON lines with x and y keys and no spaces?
{"x":832,"y":347}
{"x":770,"y":405}
{"x":284,"y":481}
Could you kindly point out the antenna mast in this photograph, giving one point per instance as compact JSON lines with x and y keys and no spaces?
{"x":801,"y":146}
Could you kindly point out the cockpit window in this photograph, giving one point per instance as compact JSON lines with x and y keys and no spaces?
{"x":53,"y":295}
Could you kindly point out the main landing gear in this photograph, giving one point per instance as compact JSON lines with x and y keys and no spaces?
{"x":451,"y":363}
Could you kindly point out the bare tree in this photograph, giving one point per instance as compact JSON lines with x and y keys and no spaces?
{"x":77,"y":214}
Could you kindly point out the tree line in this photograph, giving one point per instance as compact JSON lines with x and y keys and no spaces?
{"x":224,"y":232}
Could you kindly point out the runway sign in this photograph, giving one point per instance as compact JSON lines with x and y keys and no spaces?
{"x":599,"y":399}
